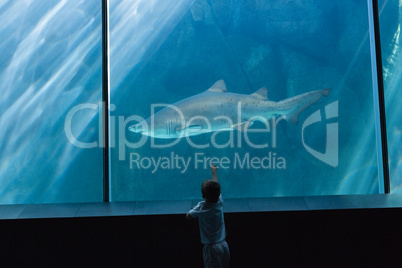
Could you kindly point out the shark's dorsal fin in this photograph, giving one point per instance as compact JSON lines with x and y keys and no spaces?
{"x":219,"y":86}
{"x":262,"y":93}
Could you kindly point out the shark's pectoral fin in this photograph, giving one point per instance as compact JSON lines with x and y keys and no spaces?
{"x":243,"y":126}
{"x":262,"y":93}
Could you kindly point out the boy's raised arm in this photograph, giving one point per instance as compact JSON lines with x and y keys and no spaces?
{"x":213,"y":170}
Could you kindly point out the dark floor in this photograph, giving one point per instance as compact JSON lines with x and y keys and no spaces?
{"x":304,"y":238}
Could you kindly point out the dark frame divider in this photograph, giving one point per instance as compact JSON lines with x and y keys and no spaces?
{"x":381,"y":100}
{"x":105,"y":99}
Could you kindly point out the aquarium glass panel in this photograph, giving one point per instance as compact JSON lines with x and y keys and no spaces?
{"x":50,"y":68}
{"x":288,"y":111}
{"x":390,"y":27}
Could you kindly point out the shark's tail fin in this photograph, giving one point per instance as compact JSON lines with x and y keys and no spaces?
{"x":292,"y":107}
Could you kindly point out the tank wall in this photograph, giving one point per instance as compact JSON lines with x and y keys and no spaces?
{"x":162,"y":52}
{"x":50,"y":66}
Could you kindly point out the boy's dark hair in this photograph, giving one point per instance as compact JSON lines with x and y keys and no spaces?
{"x":211,"y":190}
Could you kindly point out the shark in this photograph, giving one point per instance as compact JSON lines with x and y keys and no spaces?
{"x":216,"y":109}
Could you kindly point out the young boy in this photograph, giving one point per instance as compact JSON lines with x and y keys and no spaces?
{"x":212,"y":225}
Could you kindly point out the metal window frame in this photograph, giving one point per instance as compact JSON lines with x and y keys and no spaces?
{"x":378,"y":95}
{"x":105,"y":100}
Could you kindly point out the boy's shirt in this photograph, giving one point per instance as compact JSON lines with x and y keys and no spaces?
{"x":211,"y":221}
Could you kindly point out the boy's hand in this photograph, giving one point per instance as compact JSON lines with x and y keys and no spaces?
{"x":188,"y":216}
{"x":213,"y":171}
{"x":213,"y":167}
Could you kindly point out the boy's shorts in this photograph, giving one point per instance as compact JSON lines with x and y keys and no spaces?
{"x":216,"y":255}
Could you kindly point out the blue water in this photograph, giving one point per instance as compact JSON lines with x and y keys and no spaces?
{"x":289,"y":47}
{"x":50,"y":62}
{"x":165,"y":51}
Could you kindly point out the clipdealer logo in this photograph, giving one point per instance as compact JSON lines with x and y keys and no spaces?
{"x":331,"y":154}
